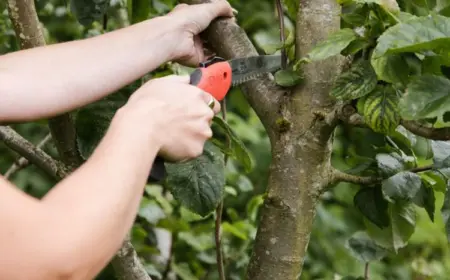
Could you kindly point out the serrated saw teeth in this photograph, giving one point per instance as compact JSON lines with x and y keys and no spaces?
{"x":246,"y":78}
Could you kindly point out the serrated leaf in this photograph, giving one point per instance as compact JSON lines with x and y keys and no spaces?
{"x":402,"y":217}
{"x":333,"y":45}
{"x":441,"y":152}
{"x":287,"y":78}
{"x":88,"y":11}
{"x":445,"y":211}
{"x":418,"y":34}
{"x":93,"y":120}
{"x":425,"y":198}
{"x":292,"y":8}
{"x":199,"y":183}
{"x":236,"y":148}
{"x":363,"y":248}
{"x":401,"y":186}
{"x":355,"y":83}
{"x":427,"y":96}
{"x":391,"y":68}
{"x":381,"y":110}
{"x":372,"y":205}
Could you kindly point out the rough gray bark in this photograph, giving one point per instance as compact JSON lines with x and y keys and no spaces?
{"x":300,"y":141}
{"x":32,"y":154}
{"x":27,"y":28}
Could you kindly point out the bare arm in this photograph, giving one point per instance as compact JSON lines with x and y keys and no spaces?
{"x":45,"y":81}
{"x":77,"y":227}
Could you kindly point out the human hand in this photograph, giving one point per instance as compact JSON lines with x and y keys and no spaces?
{"x":191,"y":20}
{"x":173,"y":113}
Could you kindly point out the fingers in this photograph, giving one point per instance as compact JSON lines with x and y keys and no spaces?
{"x":208,"y":98}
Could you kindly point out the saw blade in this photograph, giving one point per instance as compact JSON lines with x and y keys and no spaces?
{"x":247,"y":68}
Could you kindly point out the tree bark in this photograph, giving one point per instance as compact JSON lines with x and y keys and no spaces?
{"x":301,"y":148}
{"x":29,"y":33}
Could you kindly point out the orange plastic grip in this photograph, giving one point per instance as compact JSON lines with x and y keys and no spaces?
{"x":214,"y":79}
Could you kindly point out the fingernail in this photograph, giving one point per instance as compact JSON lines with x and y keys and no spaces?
{"x":235,"y":12}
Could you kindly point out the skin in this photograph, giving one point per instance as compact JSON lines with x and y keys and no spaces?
{"x":75,"y":230}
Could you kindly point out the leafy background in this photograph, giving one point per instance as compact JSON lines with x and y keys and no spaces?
{"x":176,"y":242}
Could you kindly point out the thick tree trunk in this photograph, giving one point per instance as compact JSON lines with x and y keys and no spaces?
{"x":301,"y":144}
{"x":301,"y":155}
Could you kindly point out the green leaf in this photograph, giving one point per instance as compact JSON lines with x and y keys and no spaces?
{"x":199,"y":183}
{"x":363,"y":248}
{"x":138,"y":10}
{"x":441,"y":151}
{"x":391,"y":68}
{"x":183,"y":271}
{"x":389,"y":164}
{"x":152,"y":270}
{"x":357,"y":82}
{"x":416,"y":35}
{"x":150,"y":211}
{"x":333,"y":45}
{"x":236,"y":148}
{"x":93,"y":120}
{"x":381,"y":110}
{"x":292,"y":8}
{"x":445,"y":211}
{"x":402,"y":217}
{"x":402,"y":186}
{"x":425,"y":198}
{"x":372,"y":205}
{"x":274,"y":47}
{"x":88,"y":11}
{"x":198,"y":241}
{"x":287,"y":77}
{"x":427,"y":96}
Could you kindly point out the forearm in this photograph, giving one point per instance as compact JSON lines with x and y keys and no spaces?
{"x":97,"y":204}
{"x":46,"y":81}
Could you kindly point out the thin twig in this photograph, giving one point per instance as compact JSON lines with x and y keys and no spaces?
{"x":366,"y":271}
{"x":23,"y":162}
{"x":339,"y":176}
{"x":219,"y":210}
{"x":282,"y":39}
{"x":35,"y":155}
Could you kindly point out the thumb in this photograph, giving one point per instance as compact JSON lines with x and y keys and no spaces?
{"x":184,"y":79}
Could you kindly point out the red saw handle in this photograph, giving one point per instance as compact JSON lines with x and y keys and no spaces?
{"x":215,"y":79}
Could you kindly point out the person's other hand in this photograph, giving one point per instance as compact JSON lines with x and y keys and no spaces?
{"x":173,"y":113}
{"x":191,"y":20}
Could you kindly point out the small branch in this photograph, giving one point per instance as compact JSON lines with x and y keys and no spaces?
{"x":126,"y":263}
{"x":339,"y":176}
{"x":346,"y":114}
{"x":366,"y":271}
{"x":219,"y":209}
{"x":23,"y":162}
{"x":282,"y":39}
{"x":419,"y":129}
{"x":35,"y":155}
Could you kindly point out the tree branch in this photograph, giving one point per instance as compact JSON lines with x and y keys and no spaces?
{"x":229,"y":40}
{"x":27,"y":28}
{"x":24,"y":162}
{"x":337,"y":176}
{"x":348,"y":114}
{"x":29,"y":34}
{"x":127,"y":265}
{"x":35,"y":155}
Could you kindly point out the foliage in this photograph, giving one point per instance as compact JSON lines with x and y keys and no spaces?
{"x":399,"y":71}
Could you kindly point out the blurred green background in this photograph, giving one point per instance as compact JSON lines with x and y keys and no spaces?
{"x":188,"y":240}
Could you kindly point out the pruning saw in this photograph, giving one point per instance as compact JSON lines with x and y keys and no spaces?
{"x":216,"y":76}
